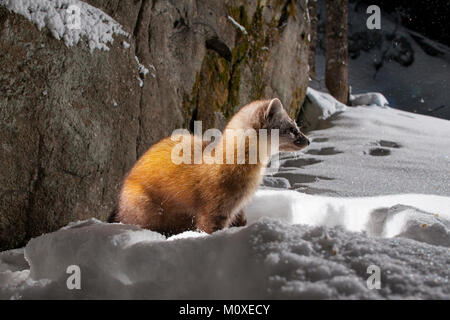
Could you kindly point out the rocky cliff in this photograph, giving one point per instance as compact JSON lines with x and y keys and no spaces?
{"x":75,"y":115}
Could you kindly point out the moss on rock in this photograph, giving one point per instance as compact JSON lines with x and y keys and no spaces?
{"x":219,"y":82}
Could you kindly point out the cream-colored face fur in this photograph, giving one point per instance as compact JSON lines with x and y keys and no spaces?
{"x":290,"y":136}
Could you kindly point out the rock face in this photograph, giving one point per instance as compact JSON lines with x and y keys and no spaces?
{"x":73,"y":122}
{"x":64,"y":144}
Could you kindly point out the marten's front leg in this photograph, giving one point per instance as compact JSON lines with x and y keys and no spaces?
{"x":239,"y":219}
{"x":210,"y":223}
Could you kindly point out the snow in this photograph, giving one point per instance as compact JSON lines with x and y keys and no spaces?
{"x":368,"y":99}
{"x":268,"y":259}
{"x":60,"y":17}
{"x":142,"y":69}
{"x":154,"y":70}
{"x":141,"y":83}
{"x":276,"y":182}
{"x":368,"y":151}
{"x":427,"y":77}
{"x":319,"y":106}
{"x":237,"y":25}
{"x":382,"y":216}
{"x":371,"y":190}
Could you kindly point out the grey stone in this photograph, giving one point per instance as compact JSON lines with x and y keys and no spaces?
{"x":72,"y":122}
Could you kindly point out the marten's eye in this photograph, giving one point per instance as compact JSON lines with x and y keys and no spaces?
{"x":292,"y":130}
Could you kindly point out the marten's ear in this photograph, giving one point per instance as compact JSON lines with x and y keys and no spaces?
{"x":275,"y":107}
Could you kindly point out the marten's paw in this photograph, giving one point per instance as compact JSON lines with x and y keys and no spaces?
{"x":239,"y":220}
{"x":210,"y":223}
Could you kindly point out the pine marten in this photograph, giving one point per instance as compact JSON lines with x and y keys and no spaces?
{"x":170,"y":198}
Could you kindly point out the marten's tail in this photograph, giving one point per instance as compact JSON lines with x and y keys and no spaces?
{"x":113,"y":215}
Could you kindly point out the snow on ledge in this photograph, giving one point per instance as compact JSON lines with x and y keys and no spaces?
{"x":69,"y":20}
{"x":369,"y":99}
{"x":319,"y":106}
{"x":237,"y":25}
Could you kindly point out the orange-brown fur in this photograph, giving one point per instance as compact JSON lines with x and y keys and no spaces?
{"x":171,"y":198}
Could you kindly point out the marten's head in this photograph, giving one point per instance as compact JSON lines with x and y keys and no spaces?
{"x":290,"y":136}
{"x":270,"y":115}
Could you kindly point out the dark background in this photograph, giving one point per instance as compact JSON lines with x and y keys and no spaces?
{"x":429,"y":17}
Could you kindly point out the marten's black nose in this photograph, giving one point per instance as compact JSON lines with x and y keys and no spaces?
{"x":309,"y":142}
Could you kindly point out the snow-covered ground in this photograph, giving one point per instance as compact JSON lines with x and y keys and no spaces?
{"x":370,"y":150}
{"x":373,"y":189}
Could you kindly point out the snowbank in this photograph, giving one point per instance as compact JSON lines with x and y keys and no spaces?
{"x":296,"y":246}
{"x":268,"y":259}
{"x":369,"y":99}
{"x":319,"y":106}
{"x":422,"y":217}
{"x":61,"y":18}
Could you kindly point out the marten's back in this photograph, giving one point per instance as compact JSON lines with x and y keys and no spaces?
{"x":158,"y":192}
{"x":156,"y":172}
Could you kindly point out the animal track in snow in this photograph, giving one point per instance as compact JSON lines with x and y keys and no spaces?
{"x":295,"y":177}
{"x":300,"y":162}
{"x":387,"y":144}
{"x":328,"y":151}
{"x":379,"y":152}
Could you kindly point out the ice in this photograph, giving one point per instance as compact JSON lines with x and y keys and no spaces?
{"x":95,"y":26}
